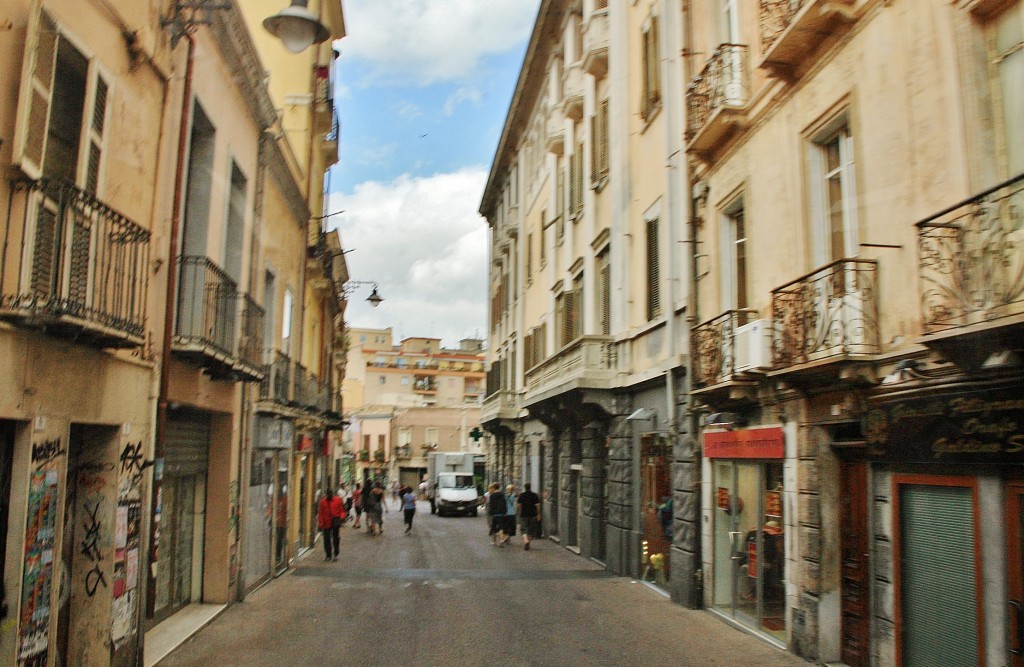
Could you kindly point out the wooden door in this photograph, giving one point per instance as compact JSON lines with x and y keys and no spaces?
{"x":855,"y":582}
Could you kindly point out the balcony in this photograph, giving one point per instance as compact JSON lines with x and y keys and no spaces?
{"x":827,"y":316}
{"x":425,"y":384}
{"x":207,"y":317}
{"x":276,"y":388}
{"x":249,"y":365}
{"x":501,"y":404}
{"x":595,"y":42}
{"x":716,"y":99}
{"x":972,"y":274}
{"x":585,"y":363}
{"x":730,"y":352}
{"x":555,"y":123}
{"x":80,"y":269}
{"x":792,"y":29}
{"x":572,"y":92}
{"x":379,"y":456}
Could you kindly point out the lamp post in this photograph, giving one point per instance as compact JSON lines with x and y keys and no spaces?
{"x":375,"y":298}
{"x":297,"y":27}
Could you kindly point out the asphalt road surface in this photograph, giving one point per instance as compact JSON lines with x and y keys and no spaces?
{"x":444,"y":596}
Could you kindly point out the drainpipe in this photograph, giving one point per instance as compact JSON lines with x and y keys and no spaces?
{"x":171,"y":299}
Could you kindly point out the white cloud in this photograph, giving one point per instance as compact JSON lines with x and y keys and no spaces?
{"x":423,"y":241}
{"x":408,"y":110}
{"x":427,"y":41}
{"x":463,"y":94}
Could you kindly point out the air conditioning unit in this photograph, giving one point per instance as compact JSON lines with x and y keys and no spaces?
{"x":752,"y":347}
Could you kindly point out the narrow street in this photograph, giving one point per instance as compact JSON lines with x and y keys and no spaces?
{"x":443,"y":595}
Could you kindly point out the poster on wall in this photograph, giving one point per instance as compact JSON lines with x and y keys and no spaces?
{"x":40,"y":533}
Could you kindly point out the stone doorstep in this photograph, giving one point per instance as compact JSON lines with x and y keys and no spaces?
{"x":176,"y":630}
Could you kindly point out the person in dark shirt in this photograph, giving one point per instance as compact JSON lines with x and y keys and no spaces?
{"x":528,"y":508}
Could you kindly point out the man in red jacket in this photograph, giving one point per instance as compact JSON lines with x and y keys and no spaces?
{"x":329,"y":515}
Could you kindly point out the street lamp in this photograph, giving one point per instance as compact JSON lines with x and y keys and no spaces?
{"x":297,"y":27}
{"x":375,"y":298}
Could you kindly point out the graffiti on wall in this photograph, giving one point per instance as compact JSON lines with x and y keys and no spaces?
{"x":40,"y":536}
{"x":92,"y":527}
{"x":128,"y":518}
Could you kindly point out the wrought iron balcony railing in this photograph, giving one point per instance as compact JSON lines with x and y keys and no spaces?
{"x":278,"y":382}
{"x":207,"y":308}
{"x":714,"y":346}
{"x":831,"y":312}
{"x":722,"y":84}
{"x":971,"y":262}
{"x":250,"y":352}
{"x":80,"y":267}
{"x":790,"y":29}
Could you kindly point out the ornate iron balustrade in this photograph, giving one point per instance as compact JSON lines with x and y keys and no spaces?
{"x":278,"y":381}
{"x":714,"y":346}
{"x":971,"y":262}
{"x":775,"y":17}
{"x":79,"y":264}
{"x":830,"y":312}
{"x":249,"y":350}
{"x":722,"y":83}
{"x":207,"y":306}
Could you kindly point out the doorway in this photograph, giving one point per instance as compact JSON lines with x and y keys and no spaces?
{"x":748,"y":545}
{"x":855,"y":605}
{"x":655,"y":508}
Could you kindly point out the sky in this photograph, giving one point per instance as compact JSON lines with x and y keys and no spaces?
{"x":422,"y":90}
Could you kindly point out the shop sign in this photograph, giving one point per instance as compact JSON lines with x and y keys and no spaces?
{"x":982,"y":426}
{"x":750,"y":443}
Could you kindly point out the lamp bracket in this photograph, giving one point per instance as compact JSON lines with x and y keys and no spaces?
{"x":185,"y":16}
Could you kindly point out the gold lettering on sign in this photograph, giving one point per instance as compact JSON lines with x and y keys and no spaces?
{"x":975,"y":425}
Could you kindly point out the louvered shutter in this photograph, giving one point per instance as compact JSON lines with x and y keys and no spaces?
{"x":578,"y":182}
{"x":606,"y":298}
{"x":938,"y":577}
{"x":653,"y":271}
{"x":603,"y":138}
{"x":569,"y":317}
{"x":35,"y":95}
{"x":95,"y":133}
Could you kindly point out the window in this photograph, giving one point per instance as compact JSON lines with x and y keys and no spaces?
{"x":431,"y":436}
{"x":604,"y":304}
{"x":528,"y":251}
{"x":561,"y":201}
{"x":653,"y":270}
{"x":651,"y":100}
{"x":234,"y":237}
{"x":599,"y":146}
{"x":734,"y":258}
{"x":406,"y":380}
{"x":576,"y":181}
{"x":269,"y":303}
{"x":286,"y":321}
{"x":1006,"y":58}
{"x":63,"y":109}
{"x":568,"y":315}
{"x":833,"y":196}
{"x":382,"y":379}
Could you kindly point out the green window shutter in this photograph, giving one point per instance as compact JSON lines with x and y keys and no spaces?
{"x":939,"y":596}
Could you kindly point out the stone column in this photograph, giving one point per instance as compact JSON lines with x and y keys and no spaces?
{"x":622,"y":544}
{"x":593,"y":479}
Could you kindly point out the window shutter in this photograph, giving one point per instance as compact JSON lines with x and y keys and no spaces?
{"x":606,"y":298}
{"x":573,"y":192}
{"x":36,"y":90}
{"x":653,"y":272}
{"x":576,"y":181}
{"x":602,"y":133}
{"x":569,"y":318}
{"x":594,"y":150}
{"x":96,"y":135}
{"x":528,"y":351}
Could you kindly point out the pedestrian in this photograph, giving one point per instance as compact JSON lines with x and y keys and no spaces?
{"x":367,"y":501}
{"x":509,"y":521}
{"x":346,"y":498}
{"x":330,"y":512}
{"x":528,"y":507}
{"x":357,"y":504}
{"x":373,"y":505}
{"x":409,"y":507}
{"x":496,"y":508}
{"x":396,"y":493}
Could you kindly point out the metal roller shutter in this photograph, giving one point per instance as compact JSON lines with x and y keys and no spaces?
{"x":938,"y":577}
{"x":186,"y":443}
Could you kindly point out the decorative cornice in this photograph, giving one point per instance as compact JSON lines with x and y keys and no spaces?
{"x":233,"y":39}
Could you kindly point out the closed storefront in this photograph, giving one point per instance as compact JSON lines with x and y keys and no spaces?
{"x":182,"y":510}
